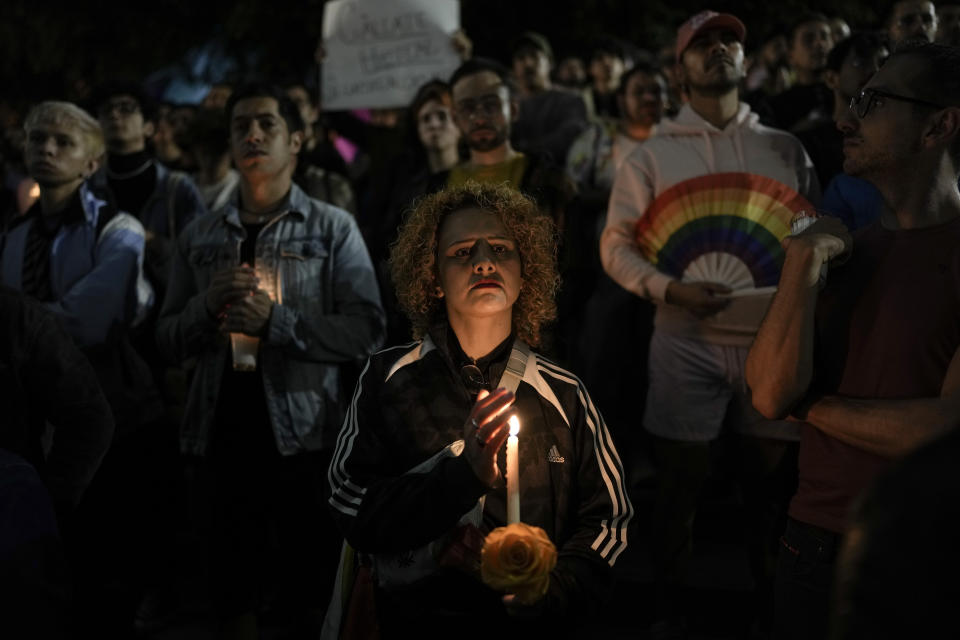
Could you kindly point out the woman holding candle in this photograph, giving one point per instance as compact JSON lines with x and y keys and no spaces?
{"x":421,"y":456}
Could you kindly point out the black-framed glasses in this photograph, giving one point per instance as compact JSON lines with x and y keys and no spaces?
{"x":863,"y":103}
{"x":487,"y":106}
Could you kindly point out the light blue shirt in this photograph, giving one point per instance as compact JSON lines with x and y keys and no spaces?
{"x":96,"y":279}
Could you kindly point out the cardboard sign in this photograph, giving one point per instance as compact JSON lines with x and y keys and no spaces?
{"x":379,"y":52}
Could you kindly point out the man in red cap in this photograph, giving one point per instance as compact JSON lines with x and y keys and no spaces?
{"x":697,"y":353}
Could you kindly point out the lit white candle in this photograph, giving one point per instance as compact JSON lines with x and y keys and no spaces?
{"x":244,"y":347}
{"x":513,"y":472}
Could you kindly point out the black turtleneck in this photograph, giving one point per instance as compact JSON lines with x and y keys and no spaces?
{"x":132,"y":178}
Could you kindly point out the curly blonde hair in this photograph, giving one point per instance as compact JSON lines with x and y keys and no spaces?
{"x":413,"y":257}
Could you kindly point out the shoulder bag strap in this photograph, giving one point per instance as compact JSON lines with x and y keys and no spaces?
{"x":516,"y":366}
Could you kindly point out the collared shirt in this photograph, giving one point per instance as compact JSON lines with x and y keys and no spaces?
{"x":36,"y":256}
{"x":95,"y":270}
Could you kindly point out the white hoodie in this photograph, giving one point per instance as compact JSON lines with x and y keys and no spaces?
{"x":685,"y":148}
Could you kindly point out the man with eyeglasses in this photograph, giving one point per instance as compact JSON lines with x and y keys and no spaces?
{"x":870,"y":364}
{"x":485,"y":108}
{"x":911,"y":19}
{"x":164,"y":201}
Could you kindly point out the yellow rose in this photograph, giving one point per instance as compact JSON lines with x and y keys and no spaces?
{"x":518,"y":559}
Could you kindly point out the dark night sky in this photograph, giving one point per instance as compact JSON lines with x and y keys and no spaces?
{"x":50,"y":52}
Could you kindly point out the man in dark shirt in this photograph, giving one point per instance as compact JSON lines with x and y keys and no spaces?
{"x":897,"y":571}
{"x":948,"y":22}
{"x":871,"y":364}
{"x":911,"y":20}
{"x":808,"y":101}
{"x":608,"y":61}
{"x":164,"y":201}
{"x":549,"y":119}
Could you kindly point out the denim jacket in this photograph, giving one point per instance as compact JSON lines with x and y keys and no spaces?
{"x":327,"y":312}
{"x":96,"y":278}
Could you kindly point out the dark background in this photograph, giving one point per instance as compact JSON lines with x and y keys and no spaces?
{"x":53,"y":50}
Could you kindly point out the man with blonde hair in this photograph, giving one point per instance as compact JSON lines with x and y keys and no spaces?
{"x":67,"y":112}
{"x":92,"y":280}
{"x":83,"y":260}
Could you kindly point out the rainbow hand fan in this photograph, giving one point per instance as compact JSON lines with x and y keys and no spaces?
{"x":720,"y":227}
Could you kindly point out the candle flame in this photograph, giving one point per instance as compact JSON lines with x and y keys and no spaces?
{"x":268,"y":284}
{"x":34,"y":191}
{"x":514,"y":422}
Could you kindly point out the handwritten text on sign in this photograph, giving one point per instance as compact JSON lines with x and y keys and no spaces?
{"x":379,"y":52}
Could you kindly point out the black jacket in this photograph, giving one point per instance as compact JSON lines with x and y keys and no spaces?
{"x":411,"y":402}
{"x":44,"y":378}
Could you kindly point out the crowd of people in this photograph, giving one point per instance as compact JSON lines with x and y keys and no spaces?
{"x":313,"y":326}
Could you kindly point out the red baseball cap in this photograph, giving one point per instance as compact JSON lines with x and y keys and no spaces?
{"x":707,"y":20}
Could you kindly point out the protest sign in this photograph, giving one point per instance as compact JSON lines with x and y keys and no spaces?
{"x":379,"y":52}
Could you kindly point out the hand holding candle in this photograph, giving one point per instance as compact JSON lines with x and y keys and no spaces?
{"x":247,"y":316}
{"x":249,"y":313}
{"x":484,"y":433}
{"x":228,"y":287}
